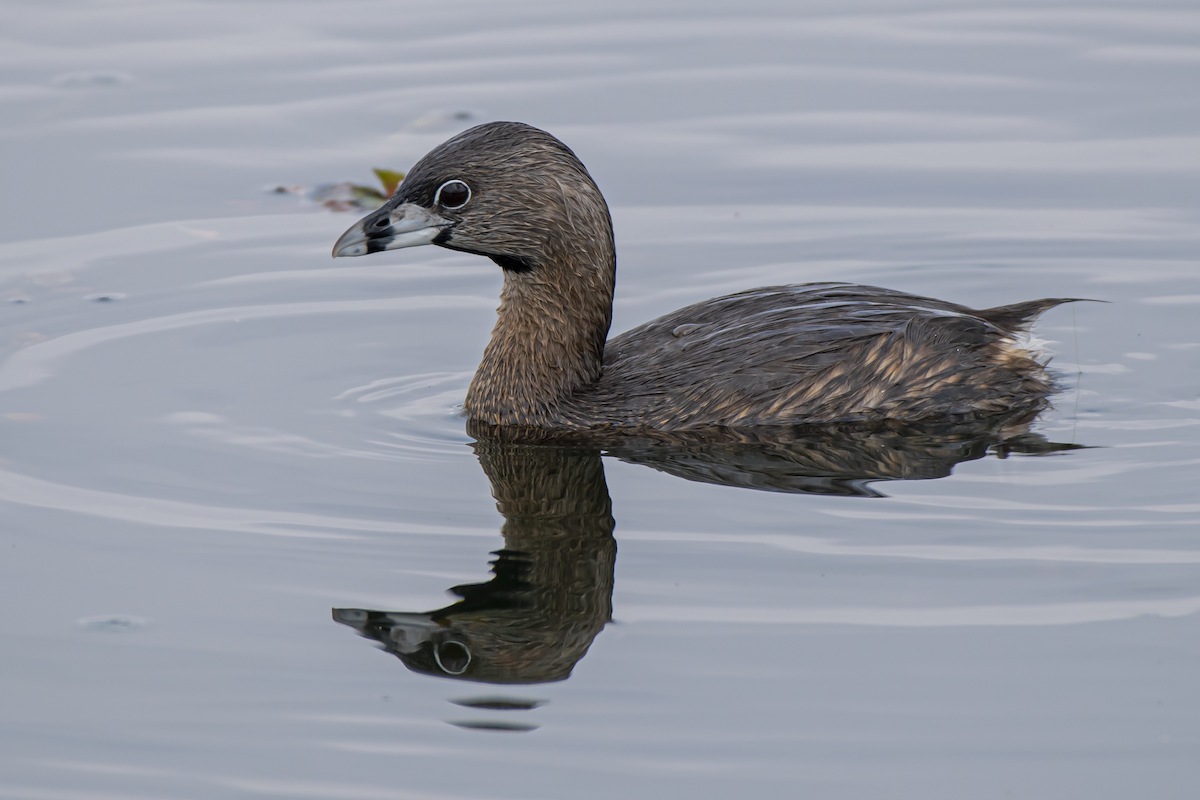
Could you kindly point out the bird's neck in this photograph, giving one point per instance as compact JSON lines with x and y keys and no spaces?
{"x":549,"y":337}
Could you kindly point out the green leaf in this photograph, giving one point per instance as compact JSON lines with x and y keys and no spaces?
{"x":389,"y":179}
{"x":366,"y":193}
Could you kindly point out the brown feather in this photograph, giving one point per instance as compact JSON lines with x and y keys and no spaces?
{"x":775,"y":356}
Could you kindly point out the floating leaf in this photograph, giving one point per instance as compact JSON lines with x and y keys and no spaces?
{"x":367,"y":194}
{"x":347,"y":196}
{"x":390,"y":180}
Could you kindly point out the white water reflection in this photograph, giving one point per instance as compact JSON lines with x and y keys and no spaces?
{"x":32,"y":365}
{"x":1054,"y":614}
{"x":24,"y":490}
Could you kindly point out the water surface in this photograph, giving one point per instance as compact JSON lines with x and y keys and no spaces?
{"x":213,"y":434}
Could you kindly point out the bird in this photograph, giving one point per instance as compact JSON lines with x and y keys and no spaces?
{"x":816,"y":354}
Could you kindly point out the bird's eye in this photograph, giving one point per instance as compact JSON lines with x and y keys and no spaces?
{"x":452,"y":194}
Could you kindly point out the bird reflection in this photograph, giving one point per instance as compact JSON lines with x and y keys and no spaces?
{"x":551,"y":590}
{"x":836,"y":461}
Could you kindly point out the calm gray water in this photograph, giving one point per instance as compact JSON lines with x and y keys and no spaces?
{"x":212,"y":434}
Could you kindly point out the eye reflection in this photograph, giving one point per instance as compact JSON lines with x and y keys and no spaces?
{"x":452,"y":657}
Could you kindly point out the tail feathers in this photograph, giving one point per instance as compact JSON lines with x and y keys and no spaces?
{"x":1018,"y":316}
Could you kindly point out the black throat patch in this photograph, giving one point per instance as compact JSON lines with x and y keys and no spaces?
{"x":513,"y":263}
{"x":507,"y":263}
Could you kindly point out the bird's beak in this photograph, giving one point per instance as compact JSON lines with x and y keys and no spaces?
{"x":390,"y":228}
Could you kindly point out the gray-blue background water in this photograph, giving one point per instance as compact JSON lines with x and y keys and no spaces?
{"x":212,"y":434}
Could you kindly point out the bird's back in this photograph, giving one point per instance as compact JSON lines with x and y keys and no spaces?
{"x":816,"y":353}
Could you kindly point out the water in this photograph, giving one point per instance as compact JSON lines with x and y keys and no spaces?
{"x":213,"y":434}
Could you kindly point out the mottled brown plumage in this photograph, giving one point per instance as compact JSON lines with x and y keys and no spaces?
{"x":778,"y":356}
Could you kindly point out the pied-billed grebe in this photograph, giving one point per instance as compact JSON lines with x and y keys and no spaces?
{"x":783,"y":355}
